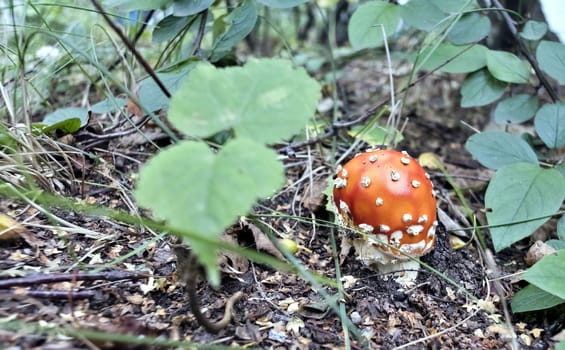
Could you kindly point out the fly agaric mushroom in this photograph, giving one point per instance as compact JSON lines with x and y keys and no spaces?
{"x":388,"y":196}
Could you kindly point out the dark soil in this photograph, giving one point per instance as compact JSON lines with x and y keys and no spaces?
{"x":279,"y":310}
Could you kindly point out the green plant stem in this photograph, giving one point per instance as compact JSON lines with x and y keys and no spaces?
{"x":126,"y":339}
{"x":340,"y":291}
{"x":200,"y":34}
{"x":56,"y":201}
{"x":463,"y":200}
{"x":308,"y":276}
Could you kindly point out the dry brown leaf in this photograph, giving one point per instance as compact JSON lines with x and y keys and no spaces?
{"x":313,"y":197}
{"x":537,"y":251}
{"x":9,"y":228}
{"x":249,"y":331}
{"x":526,"y":339}
{"x":230,"y":262}
{"x":430,"y":160}
{"x":346,"y":245}
{"x":133,"y":108}
{"x":294,"y":325}
{"x":263,"y":243}
{"x":536,"y":332}
{"x":317,"y":310}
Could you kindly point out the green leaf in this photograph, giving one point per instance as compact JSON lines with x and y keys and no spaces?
{"x":67,"y":113}
{"x":550,"y":124}
{"x":462,"y":59}
{"x":561,"y":228}
{"x":560,"y":345}
{"x":282,"y":4}
{"x":561,"y":168}
{"x":506,"y":66}
{"x":423,"y":15}
{"x":534,"y":30}
{"x":152,"y":97}
{"x":516,"y":109}
{"x":548,"y":274}
{"x":556,"y":244}
{"x":108,"y":105}
{"x":469,"y":29}
{"x":168,"y":28}
{"x":454,"y":6}
{"x":8,"y":144}
{"x":183,"y":8}
{"x":387,"y":135}
{"x":551,"y":58}
{"x":130,"y":5}
{"x":239,"y":23}
{"x":517,"y":195}
{"x":495,"y":149}
{"x":364,"y":28}
{"x":67,"y":126}
{"x":480,"y":88}
{"x":266,"y":100}
{"x":532,"y":298}
{"x":198,"y":191}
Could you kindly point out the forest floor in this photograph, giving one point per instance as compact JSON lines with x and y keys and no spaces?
{"x":139,"y":291}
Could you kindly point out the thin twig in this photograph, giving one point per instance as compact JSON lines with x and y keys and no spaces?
{"x":132,"y":49}
{"x":37,"y":279}
{"x":262,"y":292}
{"x":135,"y":38}
{"x":117,"y":134}
{"x":526,"y":52}
{"x":200,"y":35}
{"x":49,"y":294}
{"x":499,"y":290}
{"x":368,"y":113}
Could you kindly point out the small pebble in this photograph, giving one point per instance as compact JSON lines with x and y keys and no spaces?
{"x":277,"y":336}
{"x":356,"y":318}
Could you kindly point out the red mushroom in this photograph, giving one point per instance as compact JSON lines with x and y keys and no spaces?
{"x":388,"y":196}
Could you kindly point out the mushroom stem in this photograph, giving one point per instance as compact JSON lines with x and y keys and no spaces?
{"x":404,"y":272}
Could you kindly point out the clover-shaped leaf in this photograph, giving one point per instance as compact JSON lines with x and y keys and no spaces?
{"x":195,"y":190}
{"x":266,"y":100}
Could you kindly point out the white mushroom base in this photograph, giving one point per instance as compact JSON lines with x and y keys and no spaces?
{"x":403,"y":271}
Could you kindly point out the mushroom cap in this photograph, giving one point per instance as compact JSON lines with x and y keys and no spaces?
{"x":389,"y":196}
